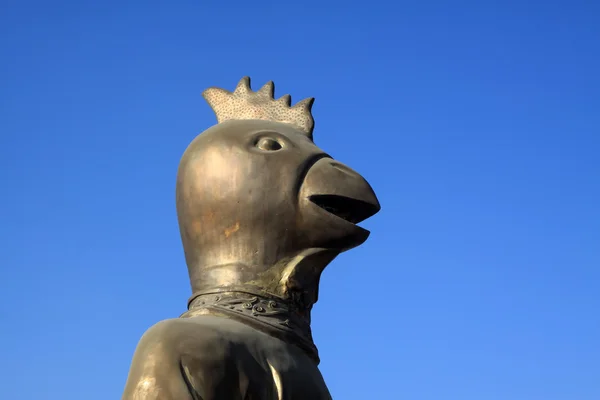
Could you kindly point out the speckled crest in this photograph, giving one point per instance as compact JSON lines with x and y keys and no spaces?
{"x":243,"y":103}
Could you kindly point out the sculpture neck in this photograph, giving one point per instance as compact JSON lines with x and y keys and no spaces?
{"x":270,"y":314}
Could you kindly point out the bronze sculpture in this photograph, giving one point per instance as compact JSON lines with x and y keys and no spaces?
{"x":262,"y":211}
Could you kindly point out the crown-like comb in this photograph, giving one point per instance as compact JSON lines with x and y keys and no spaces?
{"x":243,"y":103}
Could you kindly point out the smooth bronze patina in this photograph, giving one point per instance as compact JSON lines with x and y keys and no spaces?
{"x":262,"y":211}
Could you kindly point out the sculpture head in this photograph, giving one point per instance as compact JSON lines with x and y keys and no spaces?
{"x":260,"y":206}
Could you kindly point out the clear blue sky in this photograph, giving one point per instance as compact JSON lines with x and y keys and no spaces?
{"x":476,"y":122}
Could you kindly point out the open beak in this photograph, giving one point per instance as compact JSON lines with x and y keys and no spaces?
{"x":342,"y":197}
{"x":346,"y":208}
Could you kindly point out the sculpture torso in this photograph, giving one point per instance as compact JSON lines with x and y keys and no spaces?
{"x":212,"y":358}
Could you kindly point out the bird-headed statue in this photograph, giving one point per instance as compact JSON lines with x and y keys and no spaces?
{"x":262,"y":210}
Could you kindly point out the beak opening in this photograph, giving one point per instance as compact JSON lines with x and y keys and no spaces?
{"x":346,"y":208}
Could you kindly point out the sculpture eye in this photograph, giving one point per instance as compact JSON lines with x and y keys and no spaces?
{"x":268,"y":144}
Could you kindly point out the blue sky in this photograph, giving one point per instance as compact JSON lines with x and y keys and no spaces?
{"x":476,"y":122}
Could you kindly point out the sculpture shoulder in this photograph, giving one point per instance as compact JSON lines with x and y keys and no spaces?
{"x":176,"y":358}
{"x":181,"y":336}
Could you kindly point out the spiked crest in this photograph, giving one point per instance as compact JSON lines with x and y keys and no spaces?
{"x":243,"y":103}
